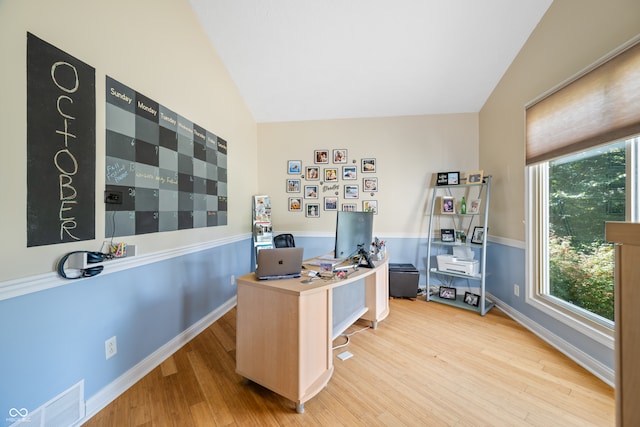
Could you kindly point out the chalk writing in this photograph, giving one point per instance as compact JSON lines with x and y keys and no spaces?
{"x":64,"y":160}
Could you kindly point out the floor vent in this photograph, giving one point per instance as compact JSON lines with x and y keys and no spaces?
{"x":64,"y":410}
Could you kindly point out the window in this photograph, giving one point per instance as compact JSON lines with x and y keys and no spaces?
{"x":578,"y":193}
{"x":582,"y":170}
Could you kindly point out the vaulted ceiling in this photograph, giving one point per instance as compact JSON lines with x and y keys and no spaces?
{"x":324,"y":59}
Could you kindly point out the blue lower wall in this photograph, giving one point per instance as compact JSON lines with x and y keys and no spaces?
{"x":52,"y":339}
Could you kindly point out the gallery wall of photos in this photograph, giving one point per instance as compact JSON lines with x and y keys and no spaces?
{"x":330,"y":182}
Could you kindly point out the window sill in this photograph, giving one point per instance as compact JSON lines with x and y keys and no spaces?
{"x":583,"y":325}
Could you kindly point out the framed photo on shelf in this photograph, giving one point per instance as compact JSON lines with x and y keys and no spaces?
{"x":369,"y":184}
{"x":448,"y":205}
{"x":294,"y":167}
{"x":293,"y":186}
{"x":478,"y":235}
{"x":448,"y":178}
{"x":349,"y":207}
{"x":471,"y":299}
{"x":349,"y":172}
{"x":368,"y":165}
{"x":321,"y":156}
{"x":313,"y":173}
{"x":310,"y":191}
{"x":331,"y":203}
{"x":351,"y":191}
{"x":340,"y":156}
{"x":474,"y":177}
{"x":453,"y":178}
{"x":447,"y":293}
{"x":473,"y":206}
{"x":448,"y":235}
{"x":370,"y":206}
{"x":295,"y":204}
{"x":312,"y":210}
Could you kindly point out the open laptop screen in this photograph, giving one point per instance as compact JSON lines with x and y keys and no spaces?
{"x":279,"y":263}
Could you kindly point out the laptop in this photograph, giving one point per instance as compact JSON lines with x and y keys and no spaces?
{"x":279,"y":263}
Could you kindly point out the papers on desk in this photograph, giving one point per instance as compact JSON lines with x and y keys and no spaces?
{"x":325,"y":259}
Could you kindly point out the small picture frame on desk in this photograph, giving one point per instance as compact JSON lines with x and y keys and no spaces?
{"x":448,"y":235}
{"x":471,"y":299}
{"x":447,"y":293}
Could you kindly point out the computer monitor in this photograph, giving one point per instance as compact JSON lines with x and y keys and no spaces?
{"x":354,"y":231}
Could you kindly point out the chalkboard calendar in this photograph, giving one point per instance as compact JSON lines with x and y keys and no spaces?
{"x":167,"y":172}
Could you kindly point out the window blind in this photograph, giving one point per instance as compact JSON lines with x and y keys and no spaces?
{"x":600,"y":106}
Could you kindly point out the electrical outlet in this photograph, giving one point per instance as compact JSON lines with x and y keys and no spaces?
{"x":233,"y":280}
{"x":110,"y":347}
{"x":516,"y":290}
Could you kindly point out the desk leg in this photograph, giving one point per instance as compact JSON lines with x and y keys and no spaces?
{"x":374,"y":324}
{"x":300,"y":408}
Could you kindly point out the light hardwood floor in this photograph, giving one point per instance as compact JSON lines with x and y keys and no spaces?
{"x":427,"y":364}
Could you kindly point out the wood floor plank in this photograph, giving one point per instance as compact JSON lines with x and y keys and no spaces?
{"x":426,"y":364}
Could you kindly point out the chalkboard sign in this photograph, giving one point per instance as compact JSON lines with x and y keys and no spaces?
{"x":61,"y":146}
{"x":163,"y":172}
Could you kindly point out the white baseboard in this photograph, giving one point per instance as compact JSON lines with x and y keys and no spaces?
{"x":592,"y":365}
{"x":109,"y":393}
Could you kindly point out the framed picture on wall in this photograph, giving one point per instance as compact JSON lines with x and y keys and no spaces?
{"x":349,"y":172}
{"x":321,"y":156}
{"x":351,"y":191}
{"x":310,"y":191}
{"x":340,"y":156}
{"x":293,"y":186}
{"x":331,"y":203}
{"x":313,"y":173}
{"x":295,"y":204}
{"x":294,"y":167}
{"x":370,"y":184}
{"x":370,"y":206}
{"x":331,"y":174}
{"x":349,"y":207}
{"x":368,"y":165}
{"x":312,"y":210}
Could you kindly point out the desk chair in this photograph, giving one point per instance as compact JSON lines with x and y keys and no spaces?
{"x":284,"y":241}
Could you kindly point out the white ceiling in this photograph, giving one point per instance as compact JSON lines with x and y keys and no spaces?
{"x":324,"y":59}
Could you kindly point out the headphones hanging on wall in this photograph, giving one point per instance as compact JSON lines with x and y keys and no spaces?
{"x":92,"y":258}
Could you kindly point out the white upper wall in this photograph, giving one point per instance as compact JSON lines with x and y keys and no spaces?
{"x":408,"y":151}
{"x":571,"y":36}
{"x":156,"y":48}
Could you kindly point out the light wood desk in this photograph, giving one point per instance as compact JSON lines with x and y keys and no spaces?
{"x":285,"y":328}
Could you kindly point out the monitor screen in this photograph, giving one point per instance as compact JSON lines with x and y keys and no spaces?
{"x":354,"y":230}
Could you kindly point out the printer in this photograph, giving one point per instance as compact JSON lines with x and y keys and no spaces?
{"x":461,"y":262}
